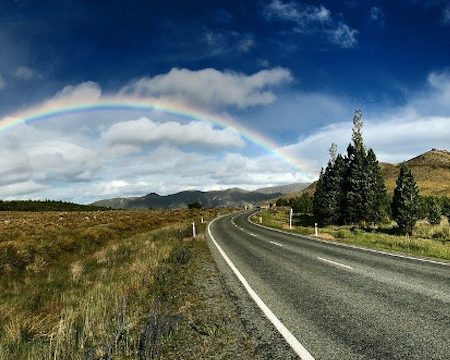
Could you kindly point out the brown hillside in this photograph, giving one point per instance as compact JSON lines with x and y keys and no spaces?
{"x":431,"y":171}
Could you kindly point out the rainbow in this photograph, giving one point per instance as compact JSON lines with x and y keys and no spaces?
{"x":52,"y":109}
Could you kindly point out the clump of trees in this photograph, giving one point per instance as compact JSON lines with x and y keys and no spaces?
{"x":351,"y":188}
{"x":300,"y":204}
{"x":195,"y":205}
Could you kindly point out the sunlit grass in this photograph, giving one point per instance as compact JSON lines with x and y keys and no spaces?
{"x":83,"y":287}
{"x":427,"y":240}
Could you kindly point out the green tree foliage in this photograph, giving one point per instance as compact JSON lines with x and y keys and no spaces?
{"x":319,"y":201}
{"x":302,"y":204}
{"x":352,"y":188}
{"x":195,"y":205}
{"x":282,"y":202}
{"x":446,"y":207}
{"x":356,"y":184}
{"x":375,"y":197}
{"x":47,"y":205}
{"x":405,"y":204}
{"x":434,"y":213}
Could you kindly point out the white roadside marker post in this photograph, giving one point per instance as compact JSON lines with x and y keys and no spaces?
{"x":260,"y":219}
{"x":316,"y":230}
{"x":193,"y":230}
{"x":290,"y":218}
{"x":203,"y":220}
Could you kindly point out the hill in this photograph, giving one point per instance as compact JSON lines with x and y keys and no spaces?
{"x":284,"y":189}
{"x":233,"y":197}
{"x":431,"y":171}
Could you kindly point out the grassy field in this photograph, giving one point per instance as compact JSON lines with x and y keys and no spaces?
{"x":104,"y":285}
{"x":427,"y":240}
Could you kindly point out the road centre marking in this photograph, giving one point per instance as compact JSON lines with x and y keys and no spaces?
{"x":275,"y":243}
{"x":335,"y":263}
{"x":290,"y":339}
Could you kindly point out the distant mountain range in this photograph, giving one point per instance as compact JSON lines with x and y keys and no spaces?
{"x":431,"y":171}
{"x":234,"y":197}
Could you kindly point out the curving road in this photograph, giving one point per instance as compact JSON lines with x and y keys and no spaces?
{"x":341,"y":302}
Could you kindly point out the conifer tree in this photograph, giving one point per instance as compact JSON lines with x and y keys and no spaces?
{"x":405,"y":202}
{"x":434,"y":213}
{"x":375,"y":196}
{"x":356,"y":183}
{"x":319,"y":201}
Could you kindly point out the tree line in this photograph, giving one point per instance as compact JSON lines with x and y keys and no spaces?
{"x":46,"y":205}
{"x":351,"y":190}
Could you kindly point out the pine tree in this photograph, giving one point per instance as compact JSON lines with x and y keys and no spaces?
{"x":319,"y":201}
{"x":434,"y":213}
{"x":357,"y":130}
{"x":356,"y":183}
{"x":375,"y":198}
{"x":405,"y":202}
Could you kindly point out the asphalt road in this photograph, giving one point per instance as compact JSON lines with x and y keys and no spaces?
{"x":340,"y":302}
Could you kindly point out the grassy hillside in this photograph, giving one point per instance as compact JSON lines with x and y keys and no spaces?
{"x":431,"y":171}
{"x":113,"y":284}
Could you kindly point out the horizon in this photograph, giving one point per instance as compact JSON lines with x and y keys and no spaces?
{"x":260,"y":91}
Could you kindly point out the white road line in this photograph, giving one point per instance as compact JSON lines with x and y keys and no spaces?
{"x":291,"y":339}
{"x":349,"y":246}
{"x":253,"y":234}
{"x":275,"y":243}
{"x":335,"y":263}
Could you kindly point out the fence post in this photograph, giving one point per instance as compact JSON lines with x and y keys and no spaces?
{"x":290,"y":218}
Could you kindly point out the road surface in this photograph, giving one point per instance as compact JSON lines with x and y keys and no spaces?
{"x":341,"y":302}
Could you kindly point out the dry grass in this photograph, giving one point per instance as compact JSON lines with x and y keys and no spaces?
{"x":81,"y":285}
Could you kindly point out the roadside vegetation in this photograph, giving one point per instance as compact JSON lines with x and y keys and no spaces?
{"x":428,"y":240}
{"x":350,"y":204}
{"x":111,"y":285}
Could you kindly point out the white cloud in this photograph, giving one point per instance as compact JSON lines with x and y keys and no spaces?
{"x":293,"y":12}
{"x":25,"y":73}
{"x":396,"y":134}
{"x":2,"y":82}
{"x":21,"y":190}
{"x":343,"y":36}
{"x":145,"y":131}
{"x":310,"y":19}
{"x":73,"y":94}
{"x":212,"y":88}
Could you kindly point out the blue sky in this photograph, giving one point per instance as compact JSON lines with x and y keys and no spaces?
{"x":293,"y":71}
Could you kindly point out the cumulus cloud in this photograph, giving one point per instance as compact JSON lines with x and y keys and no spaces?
{"x":73,"y":94}
{"x":212,"y":88}
{"x":310,"y":19}
{"x":25,"y":73}
{"x":396,"y":134}
{"x":145,"y":131}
